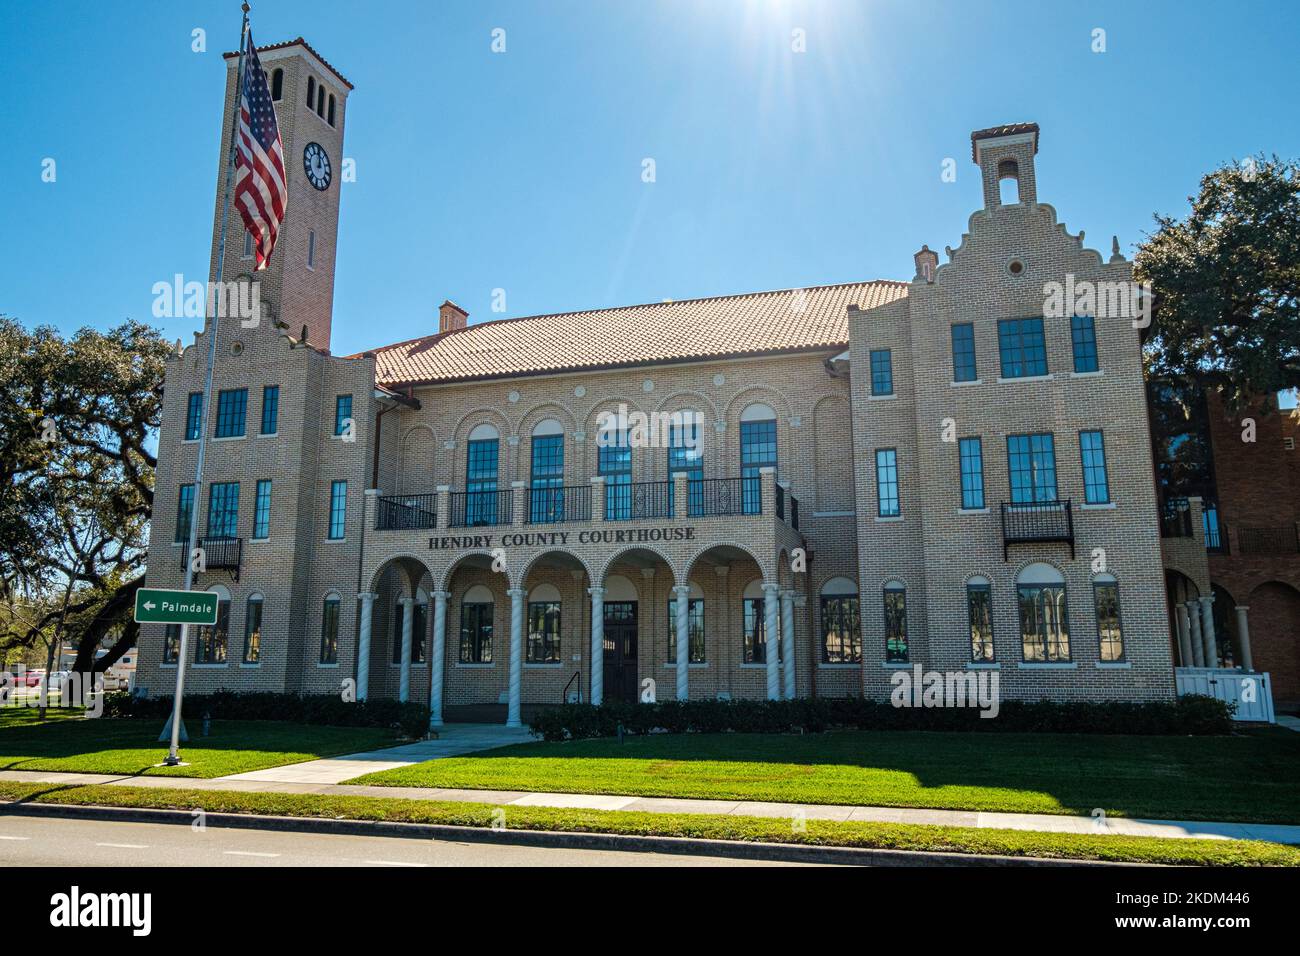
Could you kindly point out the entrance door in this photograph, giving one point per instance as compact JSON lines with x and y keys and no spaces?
{"x":620,"y":650}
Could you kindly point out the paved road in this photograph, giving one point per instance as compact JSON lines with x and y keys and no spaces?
{"x":28,"y":841}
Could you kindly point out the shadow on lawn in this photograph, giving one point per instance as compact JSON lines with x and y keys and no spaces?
{"x":1232,"y":777}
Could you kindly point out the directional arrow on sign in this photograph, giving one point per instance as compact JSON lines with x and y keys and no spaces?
{"x":149,"y":605}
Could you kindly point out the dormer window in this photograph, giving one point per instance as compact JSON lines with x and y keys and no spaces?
{"x":1008,"y":182}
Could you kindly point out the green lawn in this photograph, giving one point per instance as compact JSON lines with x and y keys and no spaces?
{"x":71,"y":743}
{"x":701,"y":826}
{"x":1248,"y":778}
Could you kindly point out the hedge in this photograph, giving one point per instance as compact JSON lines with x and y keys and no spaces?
{"x":1191,"y":714}
{"x":328,"y":710}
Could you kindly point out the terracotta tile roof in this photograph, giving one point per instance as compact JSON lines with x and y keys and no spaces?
{"x":1011,"y":129}
{"x":680,"y":331}
{"x":297,"y":41}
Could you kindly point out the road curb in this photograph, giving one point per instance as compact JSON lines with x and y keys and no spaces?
{"x":685,"y":846}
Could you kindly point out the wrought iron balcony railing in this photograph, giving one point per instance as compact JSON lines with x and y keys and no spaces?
{"x":479,"y":509}
{"x":407,"y":512}
{"x":1035,"y":522}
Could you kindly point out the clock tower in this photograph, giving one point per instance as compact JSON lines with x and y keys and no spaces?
{"x":310,"y":97}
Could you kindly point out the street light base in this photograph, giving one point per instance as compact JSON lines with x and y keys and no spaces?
{"x":172,"y":762}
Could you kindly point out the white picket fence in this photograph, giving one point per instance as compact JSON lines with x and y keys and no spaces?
{"x":1251,"y":692}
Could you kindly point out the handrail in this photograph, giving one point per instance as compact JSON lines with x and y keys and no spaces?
{"x":564,"y":694}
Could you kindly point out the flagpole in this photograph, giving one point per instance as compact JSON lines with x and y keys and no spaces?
{"x":173,"y":757}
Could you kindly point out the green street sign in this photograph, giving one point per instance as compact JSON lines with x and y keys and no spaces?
{"x":156,"y":606}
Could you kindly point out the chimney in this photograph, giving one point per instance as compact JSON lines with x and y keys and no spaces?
{"x":927,"y":260}
{"x":1006,"y":152}
{"x":451,"y":317}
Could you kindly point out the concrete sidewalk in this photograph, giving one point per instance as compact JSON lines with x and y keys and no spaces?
{"x":1041,"y":822}
{"x":453,"y":740}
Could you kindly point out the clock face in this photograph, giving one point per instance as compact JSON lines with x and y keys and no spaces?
{"x":317,"y":166}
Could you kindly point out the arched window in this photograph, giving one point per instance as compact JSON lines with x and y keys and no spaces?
{"x":476,"y":626}
{"x":330,"y":117}
{"x":754,"y":615}
{"x":614,"y":463}
{"x":694,"y":626}
{"x":757,"y":451}
{"x":546,"y":481}
{"x":214,"y":639}
{"x":277,"y":84}
{"x":329,"y":629}
{"x":311,"y":92}
{"x":686,"y":455}
{"x":895,"y":602}
{"x":979,"y":612}
{"x":1044,"y":618}
{"x":320,"y":100}
{"x":841,"y":622}
{"x":543,"y":625}
{"x":1110,"y":632}
{"x":253,"y":629}
{"x":1008,"y":182}
{"x":482,"y":455}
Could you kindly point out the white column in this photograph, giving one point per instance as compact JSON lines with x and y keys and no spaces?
{"x":1243,"y":639}
{"x":597,"y":637}
{"x":363,"y":644}
{"x":516,"y":655}
{"x":404,"y":683}
{"x":1184,"y":636}
{"x":787,"y":640}
{"x":682,"y":611}
{"x":772,"y":638}
{"x":436,"y":657}
{"x":1207,"y":631}
{"x":1194,"y":633}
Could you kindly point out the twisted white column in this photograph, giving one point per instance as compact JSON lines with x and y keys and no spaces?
{"x":1194,"y":633}
{"x":1207,"y":631}
{"x":1243,"y":638}
{"x":681,"y":608}
{"x":404,"y":683}
{"x":516,"y":655}
{"x":363,"y":644}
{"x":597,"y":644}
{"x":1184,"y":637}
{"x":437,"y":656}
{"x":787,"y":640}
{"x":772,"y":640}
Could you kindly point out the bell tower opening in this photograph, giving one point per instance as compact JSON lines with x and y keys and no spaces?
{"x":1005,"y":156}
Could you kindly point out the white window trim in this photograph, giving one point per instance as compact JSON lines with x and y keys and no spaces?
{"x":983,"y":665}
{"x":1099,"y":506}
{"x":973,"y":381}
{"x":1026,"y":378}
{"x":1048,"y":665}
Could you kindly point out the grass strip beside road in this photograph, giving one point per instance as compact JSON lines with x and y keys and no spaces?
{"x":130,"y":746}
{"x":1246,"y":778}
{"x":864,"y":835}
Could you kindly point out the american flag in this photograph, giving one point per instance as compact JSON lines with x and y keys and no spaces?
{"x":260,"y":190}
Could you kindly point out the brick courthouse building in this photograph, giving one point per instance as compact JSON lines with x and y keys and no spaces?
{"x":808,"y":489}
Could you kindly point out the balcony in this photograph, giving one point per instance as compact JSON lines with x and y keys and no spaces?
{"x":481,"y":509}
{"x":219,"y":554}
{"x":1284,"y":539}
{"x":604,"y":500}
{"x":1037,"y":522}
{"x":559,"y":505}
{"x":407,"y":512}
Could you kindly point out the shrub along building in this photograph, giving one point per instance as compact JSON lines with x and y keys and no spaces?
{"x":765,"y":495}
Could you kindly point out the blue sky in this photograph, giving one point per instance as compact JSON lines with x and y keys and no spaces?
{"x":522,"y":170}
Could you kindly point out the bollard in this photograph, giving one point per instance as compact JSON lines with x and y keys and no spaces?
{"x":207,"y":723}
